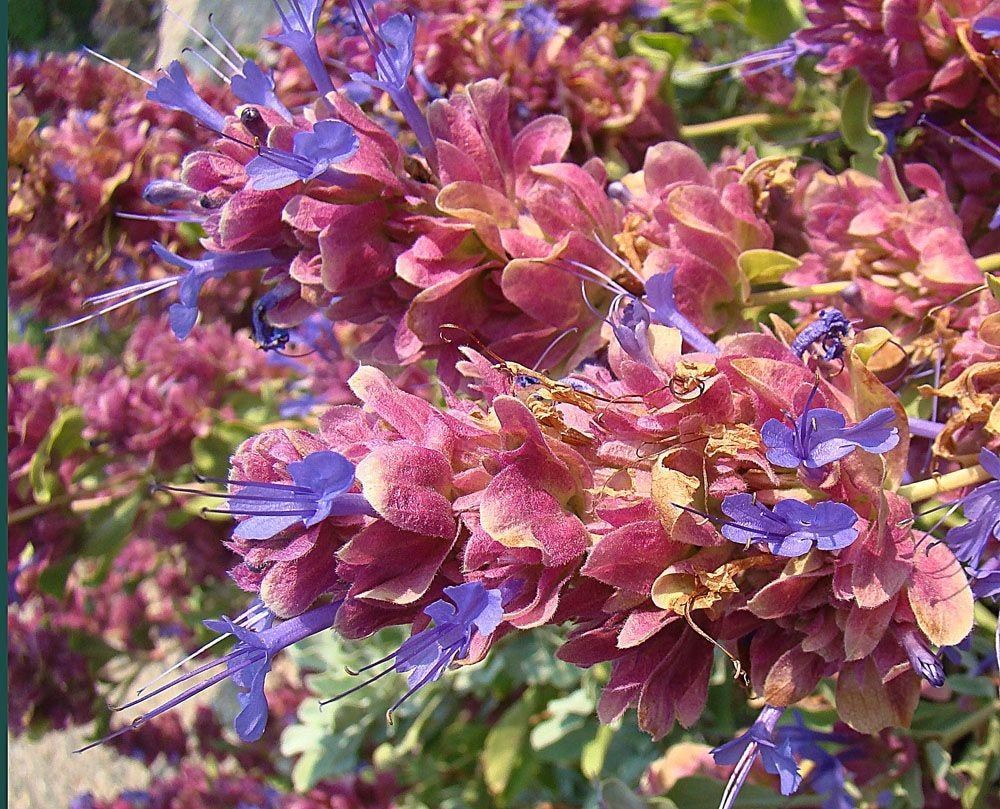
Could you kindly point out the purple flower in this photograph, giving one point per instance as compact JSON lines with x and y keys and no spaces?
{"x":249,"y":83}
{"x":987,"y":27}
{"x":819,"y":436}
{"x":538,"y":24}
{"x":391,"y":45}
{"x":785,"y":55}
{"x":982,"y":510}
{"x":660,"y":294}
{"x":791,"y":528}
{"x":184,"y":313}
{"x":985,"y":579}
{"x":922,"y":659}
{"x":760,"y":740}
{"x":298,"y":33}
{"x":426,"y":655}
{"x":174,"y":91}
{"x":313,"y":154}
{"x":247,"y":665}
{"x":828,"y":774}
{"x":320,"y":490}
{"x":828,"y":330}
{"x":629,"y":318}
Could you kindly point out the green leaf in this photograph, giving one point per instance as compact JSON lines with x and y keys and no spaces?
{"x":34,"y":374}
{"x":595,"y":752}
{"x":766,"y":266}
{"x":64,"y":437}
{"x":52,"y":580}
{"x":106,"y":529}
{"x":660,"y":48}
{"x":774,"y":20}
{"x":505,"y":744}
{"x":867,"y":143}
{"x":994,"y":285}
{"x":615,"y":795}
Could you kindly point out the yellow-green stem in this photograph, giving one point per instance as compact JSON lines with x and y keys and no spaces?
{"x":989,"y":263}
{"x":775,"y":296}
{"x":925,"y":489}
{"x":727,"y":125}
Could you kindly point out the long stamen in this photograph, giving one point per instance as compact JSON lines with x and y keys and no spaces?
{"x":358,"y":687}
{"x":431,"y":636}
{"x":288,"y":487}
{"x":223,"y":37}
{"x":621,"y":262}
{"x":191,"y":692}
{"x":170,"y":216}
{"x":244,"y":513}
{"x":113,"y":294}
{"x":204,"y":39}
{"x":207,"y":64}
{"x":108,"y":309}
{"x":121,"y":67}
{"x":249,"y":498}
{"x":597,"y":277}
{"x":431,"y":675}
{"x":252,"y":615}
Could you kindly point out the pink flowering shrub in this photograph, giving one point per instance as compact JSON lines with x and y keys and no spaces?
{"x":536,"y":397}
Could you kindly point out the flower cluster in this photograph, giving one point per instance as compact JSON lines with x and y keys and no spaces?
{"x":937,"y":61}
{"x":558,"y":375}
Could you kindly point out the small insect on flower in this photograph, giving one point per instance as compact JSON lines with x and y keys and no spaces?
{"x":426,"y":655}
{"x":827,"y":334}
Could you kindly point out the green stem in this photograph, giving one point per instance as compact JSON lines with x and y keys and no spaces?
{"x":727,"y":125}
{"x":989,"y":263}
{"x":924,"y":489}
{"x":775,"y":296}
{"x":30,"y":512}
{"x":962,"y":728}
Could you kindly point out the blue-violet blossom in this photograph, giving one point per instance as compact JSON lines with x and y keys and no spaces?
{"x":313,"y":155}
{"x":760,"y":740}
{"x":246,"y":666}
{"x":426,"y":655}
{"x":791,"y":528}
{"x":820,"y":436}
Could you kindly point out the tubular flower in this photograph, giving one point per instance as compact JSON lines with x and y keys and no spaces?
{"x":426,"y":655}
{"x":981,"y":508}
{"x":759,"y":741}
{"x":819,"y":436}
{"x":247,"y":665}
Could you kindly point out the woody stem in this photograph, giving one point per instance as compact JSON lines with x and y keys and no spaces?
{"x":925,"y":489}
